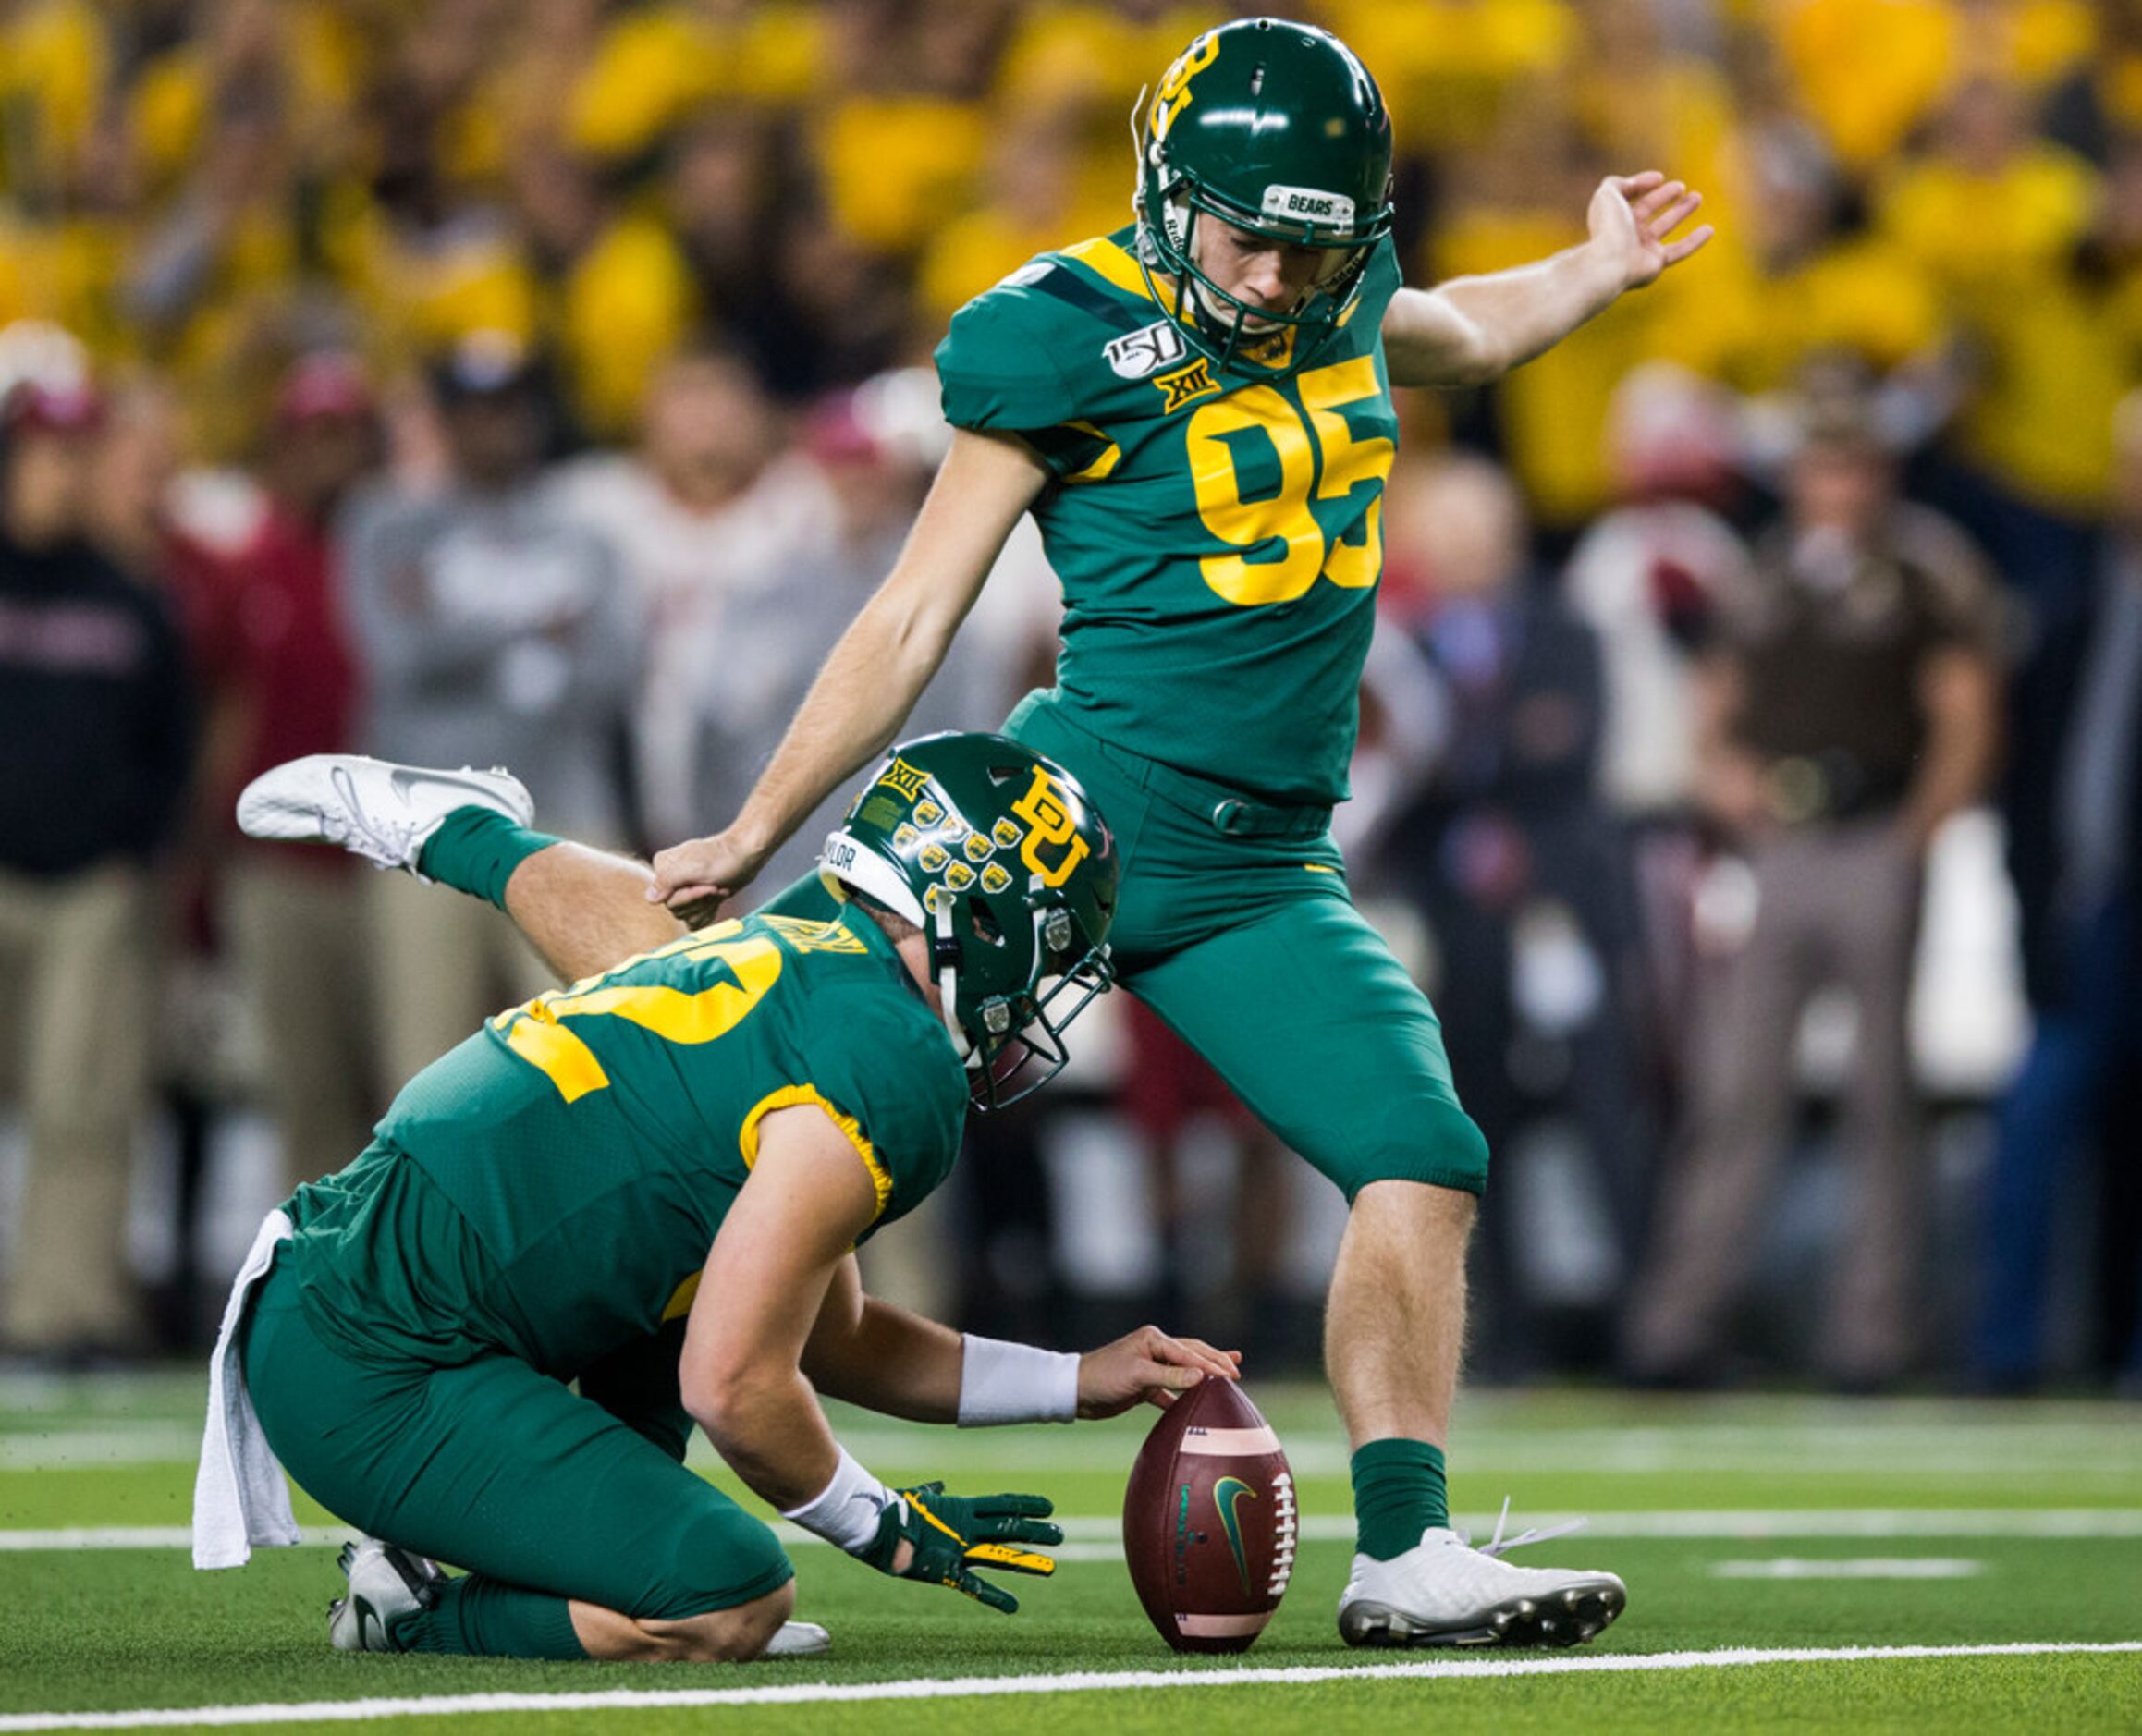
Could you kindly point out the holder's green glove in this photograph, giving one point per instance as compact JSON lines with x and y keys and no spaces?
{"x":953,"y":1534}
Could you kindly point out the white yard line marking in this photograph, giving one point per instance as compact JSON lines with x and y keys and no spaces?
{"x":957,"y":1688}
{"x":76,"y":1450}
{"x":1857,"y":1521}
{"x":1963,"y":1452}
{"x":1097,"y":1537}
{"x":1863,"y":1567}
{"x":69,"y":1538}
{"x":1876,"y":1442}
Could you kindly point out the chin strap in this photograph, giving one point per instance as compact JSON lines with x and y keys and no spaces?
{"x":944,"y":959}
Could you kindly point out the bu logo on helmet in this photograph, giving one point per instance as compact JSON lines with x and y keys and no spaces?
{"x":1047,"y":811}
{"x":1173,"y":95}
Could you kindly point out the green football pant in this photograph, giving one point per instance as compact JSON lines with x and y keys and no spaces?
{"x":1248,"y":944}
{"x":505,"y":1472}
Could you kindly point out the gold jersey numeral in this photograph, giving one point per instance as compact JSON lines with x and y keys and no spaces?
{"x":1321,"y":457}
{"x":537,"y":1034}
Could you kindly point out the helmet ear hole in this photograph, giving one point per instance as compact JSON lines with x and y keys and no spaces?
{"x":982,"y":922}
{"x":1057,"y":932}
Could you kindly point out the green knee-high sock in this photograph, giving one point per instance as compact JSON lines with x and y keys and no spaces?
{"x":480,"y":1618}
{"x":1398,"y":1491}
{"x":476,"y":850}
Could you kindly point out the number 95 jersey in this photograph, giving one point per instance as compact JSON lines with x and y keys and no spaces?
{"x":1218,"y":533}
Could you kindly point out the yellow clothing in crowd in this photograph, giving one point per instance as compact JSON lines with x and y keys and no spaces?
{"x":654,"y":66}
{"x":55,"y":61}
{"x":1447,"y":65}
{"x":1752,"y":328}
{"x":1868,"y":72}
{"x":322,"y":58}
{"x":898,"y":166}
{"x":1554,"y":409}
{"x":1079,"y":55}
{"x":627,"y":302}
{"x":2001,"y":251}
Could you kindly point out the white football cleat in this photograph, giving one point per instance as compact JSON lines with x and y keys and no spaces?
{"x":372,"y":808}
{"x":798,"y":1639}
{"x":1444,"y":1592}
{"x":385,"y":1582}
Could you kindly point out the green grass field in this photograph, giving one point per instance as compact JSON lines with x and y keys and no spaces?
{"x":1959,"y":1544}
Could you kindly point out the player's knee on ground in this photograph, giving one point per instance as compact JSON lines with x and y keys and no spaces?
{"x":724,"y":1636}
{"x":713,"y":1561}
{"x":1429,"y":1140}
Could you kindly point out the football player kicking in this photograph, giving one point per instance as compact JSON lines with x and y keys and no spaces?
{"x":1198,"y":411}
{"x":652,"y":1182}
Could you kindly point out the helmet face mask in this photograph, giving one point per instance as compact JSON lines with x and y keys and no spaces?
{"x":997,"y":855}
{"x":1277,"y":130}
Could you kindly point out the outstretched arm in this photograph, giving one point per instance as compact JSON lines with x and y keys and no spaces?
{"x":778,"y":1250}
{"x":1472,"y":330}
{"x":872,"y":1353}
{"x":873,"y":677}
{"x":777,"y":1257}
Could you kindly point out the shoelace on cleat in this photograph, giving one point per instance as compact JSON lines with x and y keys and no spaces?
{"x":1497,"y":1546}
{"x":354,"y":823}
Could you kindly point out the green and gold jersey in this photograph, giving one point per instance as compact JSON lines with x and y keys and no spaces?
{"x":1218,"y":535}
{"x":550,"y":1187}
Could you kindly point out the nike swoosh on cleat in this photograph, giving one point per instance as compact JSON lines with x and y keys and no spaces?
{"x":371,"y":1630}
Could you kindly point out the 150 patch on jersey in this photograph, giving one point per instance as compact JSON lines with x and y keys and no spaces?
{"x":1147,"y":351}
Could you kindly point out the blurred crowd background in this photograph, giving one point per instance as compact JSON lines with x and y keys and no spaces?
{"x":1750,"y":761}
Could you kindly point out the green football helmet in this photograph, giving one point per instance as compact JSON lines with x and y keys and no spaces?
{"x":1275,"y":128}
{"x":999,"y":856}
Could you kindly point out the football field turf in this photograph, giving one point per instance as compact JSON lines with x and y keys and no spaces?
{"x":1790,"y":1561}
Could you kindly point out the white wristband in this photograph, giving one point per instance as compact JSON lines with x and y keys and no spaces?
{"x":1015,"y":1383}
{"x":846,"y":1510}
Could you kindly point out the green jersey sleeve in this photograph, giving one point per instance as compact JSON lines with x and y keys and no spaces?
{"x":884,"y":1072}
{"x":997,"y":367}
{"x":1005,"y":366}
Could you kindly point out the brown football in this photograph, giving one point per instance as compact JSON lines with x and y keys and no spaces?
{"x":1209,"y":1522}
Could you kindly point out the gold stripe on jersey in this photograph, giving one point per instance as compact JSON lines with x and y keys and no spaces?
{"x":789,"y":1096}
{"x":1111,"y":455}
{"x":807,"y":935}
{"x":555,"y":1052}
{"x":534,"y":1033}
{"x":1111,"y":265}
{"x":683,"y":1297}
